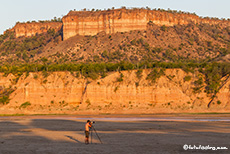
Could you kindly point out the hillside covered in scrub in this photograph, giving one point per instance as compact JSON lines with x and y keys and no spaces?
{"x":179,"y":43}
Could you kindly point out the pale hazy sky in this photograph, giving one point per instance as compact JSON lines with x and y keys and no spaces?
{"x":12,"y":11}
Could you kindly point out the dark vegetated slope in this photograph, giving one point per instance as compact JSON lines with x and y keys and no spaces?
{"x":180,"y":43}
{"x":26,"y":49}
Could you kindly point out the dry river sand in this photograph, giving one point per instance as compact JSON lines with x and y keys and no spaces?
{"x":134,"y":134}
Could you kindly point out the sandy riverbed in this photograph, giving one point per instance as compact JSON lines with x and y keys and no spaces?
{"x":119,"y":134}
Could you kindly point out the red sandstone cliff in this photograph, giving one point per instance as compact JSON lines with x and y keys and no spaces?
{"x":111,"y":21}
{"x":122,"y":20}
{"x":30,"y":29}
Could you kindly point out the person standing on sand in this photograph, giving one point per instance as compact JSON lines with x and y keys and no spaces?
{"x":88,"y":125}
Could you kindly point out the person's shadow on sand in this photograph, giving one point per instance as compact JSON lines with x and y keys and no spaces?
{"x":70,"y":137}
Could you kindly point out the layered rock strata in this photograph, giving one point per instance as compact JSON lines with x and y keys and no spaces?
{"x":111,"y":21}
{"x":33,"y":28}
{"x":61,"y":92}
{"x":123,"y":20}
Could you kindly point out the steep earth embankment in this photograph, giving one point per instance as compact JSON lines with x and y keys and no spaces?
{"x":61,"y":92}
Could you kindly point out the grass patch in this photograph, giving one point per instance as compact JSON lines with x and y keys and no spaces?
{"x":104,"y":113}
{"x":6,"y":115}
{"x":206,"y":113}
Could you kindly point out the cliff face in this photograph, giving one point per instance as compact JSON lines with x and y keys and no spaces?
{"x":61,"y":92}
{"x":30,"y":29}
{"x":123,"y":20}
{"x":111,"y":21}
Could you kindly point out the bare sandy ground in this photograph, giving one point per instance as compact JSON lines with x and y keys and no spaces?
{"x":127,"y":134}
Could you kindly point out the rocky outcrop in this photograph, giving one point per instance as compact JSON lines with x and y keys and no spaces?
{"x":61,"y":92}
{"x":33,"y":28}
{"x":123,"y":20}
{"x":110,"y":21}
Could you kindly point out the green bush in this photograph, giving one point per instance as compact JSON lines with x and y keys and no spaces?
{"x":4,"y":100}
{"x":155,"y":74}
{"x":88,"y":102}
{"x":218,"y":102}
{"x":137,"y":84}
{"x":164,"y":28}
{"x":35,"y":76}
{"x":5,"y":94}
{"x":116,"y":88}
{"x":133,"y":42}
{"x":45,"y":74}
{"x":187,"y":78}
{"x":120,"y":79}
{"x":25,"y":105}
{"x":93,"y":75}
{"x":199,"y":81}
{"x":139,"y":73}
